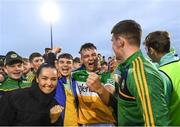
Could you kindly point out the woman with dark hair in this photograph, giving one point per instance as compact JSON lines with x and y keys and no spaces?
{"x":34,"y":105}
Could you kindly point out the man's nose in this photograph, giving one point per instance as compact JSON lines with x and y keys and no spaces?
{"x":91,"y":57}
{"x":18,"y":68}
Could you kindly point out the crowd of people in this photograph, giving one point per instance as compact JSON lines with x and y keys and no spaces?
{"x":125,"y":90}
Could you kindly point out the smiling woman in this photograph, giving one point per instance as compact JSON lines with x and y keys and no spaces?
{"x":32,"y":106}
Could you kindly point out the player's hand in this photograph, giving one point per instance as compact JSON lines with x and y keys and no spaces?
{"x":55,"y":113}
{"x":94,"y":82}
{"x":56,"y":49}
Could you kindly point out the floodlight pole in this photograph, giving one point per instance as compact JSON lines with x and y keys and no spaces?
{"x":51,"y":35}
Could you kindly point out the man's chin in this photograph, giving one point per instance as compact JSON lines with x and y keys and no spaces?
{"x":65,"y":75}
{"x":90,"y":69}
{"x":15,"y":78}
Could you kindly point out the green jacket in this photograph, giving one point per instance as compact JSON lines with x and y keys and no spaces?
{"x":10,"y":84}
{"x":170,"y":65}
{"x":140,"y":94}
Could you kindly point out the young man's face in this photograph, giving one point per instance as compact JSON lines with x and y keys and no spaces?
{"x":14,"y":71}
{"x":26,"y":66}
{"x":47,"y":80}
{"x":76,"y":65}
{"x":36,"y":62}
{"x":104,"y":68}
{"x":89,"y":59}
{"x":116,"y":46}
{"x":65,"y":66}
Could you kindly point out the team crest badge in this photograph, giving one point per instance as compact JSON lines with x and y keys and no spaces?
{"x":13,"y":56}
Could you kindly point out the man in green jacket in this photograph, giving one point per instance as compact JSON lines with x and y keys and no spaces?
{"x":14,"y":69}
{"x":157,"y":44}
{"x":140,"y":92}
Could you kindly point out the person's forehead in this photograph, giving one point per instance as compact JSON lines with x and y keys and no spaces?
{"x":15,"y":64}
{"x":65,"y":59}
{"x":89,"y":51}
{"x":46,"y":70}
{"x":37,"y":58}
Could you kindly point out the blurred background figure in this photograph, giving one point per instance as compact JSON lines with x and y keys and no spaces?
{"x":26,"y":66}
{"x":76,"y":63}
{"x":51,"y":56}
{"x":45,"y":56}
{"x":104,"y":67}
{"x":2,"y":73}
{"x":36,"y":59}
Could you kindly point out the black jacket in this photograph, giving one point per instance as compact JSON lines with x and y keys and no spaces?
{"x":29,"y":106}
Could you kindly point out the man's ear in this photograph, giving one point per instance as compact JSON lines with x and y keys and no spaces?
{"x":121,"y":41}
{"x":151,"y":50}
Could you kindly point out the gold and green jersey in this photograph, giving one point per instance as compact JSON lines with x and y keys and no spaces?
{"x":91,"y":109}
{"x":31,"y":75}
{"x":140,"y":94}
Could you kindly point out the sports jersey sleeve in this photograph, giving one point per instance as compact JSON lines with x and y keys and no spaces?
{"x":147,"y":88}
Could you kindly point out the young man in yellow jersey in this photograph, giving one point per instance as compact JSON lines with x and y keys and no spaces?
{"x":66,"y":91}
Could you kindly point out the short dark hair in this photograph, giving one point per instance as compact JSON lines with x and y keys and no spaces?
{"x":158,"y":40}
{"x":129,"y":29}
{"x":76,"y":60}
{"x":2,"y":60}
{"x":65,"y":55}
{"x":47,"y":49}
{"x":33,"y":55}
{"x":44,"y":65}
{"x":88,"y":45}
{"x":104,"y":63}
{"x":25,"y":59}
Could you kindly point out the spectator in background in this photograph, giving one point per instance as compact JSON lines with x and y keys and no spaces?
{"x":2,"y":73}
{"x":103,"y":59}
{"x":76,"y":63}
{"x":109,"y":59}
{"x":36,"y":60}
{"x":157,"y":44}
{"x":26,"y":67}
{"x":52,"y":56}
{"x":104,"y":67}
{"x":45,"y":56}
{"x":14,"y":70}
